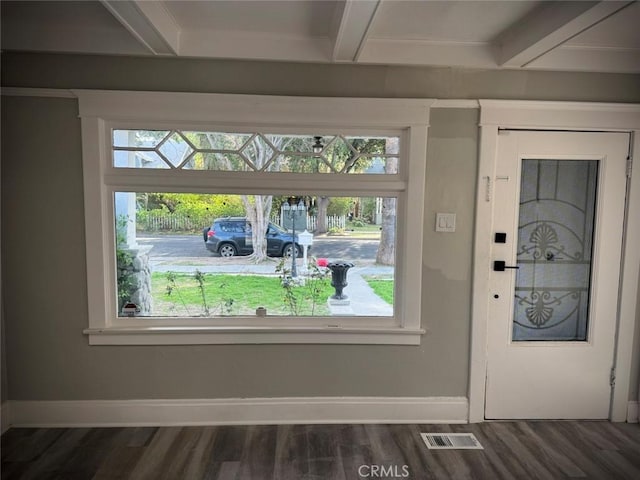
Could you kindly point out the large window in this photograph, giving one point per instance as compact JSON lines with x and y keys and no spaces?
{"x":210,"y":222}
{"x":192,"y":255}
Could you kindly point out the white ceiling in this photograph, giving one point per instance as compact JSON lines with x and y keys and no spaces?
{"x":570,"y":36}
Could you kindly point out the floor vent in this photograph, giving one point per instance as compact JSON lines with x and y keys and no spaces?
{"x":451,"y":441}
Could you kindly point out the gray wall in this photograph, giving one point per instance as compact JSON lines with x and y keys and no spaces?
{"x":44,"y":276}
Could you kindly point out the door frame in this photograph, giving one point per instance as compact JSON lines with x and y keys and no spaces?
{"x":566,"y":116}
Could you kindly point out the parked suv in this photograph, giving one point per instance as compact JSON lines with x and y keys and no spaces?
{"x":231,"y":236}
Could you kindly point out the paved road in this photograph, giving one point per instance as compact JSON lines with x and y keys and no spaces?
{"x":167,"y":246}
{"x":346,"y":248}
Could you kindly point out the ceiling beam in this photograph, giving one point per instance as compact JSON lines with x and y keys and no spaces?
{"x":353,"y":20}
{"x":589,"y":59}
{"x":210,"y":43}
{"x":383,"y":51}
{"x":547,"y":27}
{"x":149,"y":23}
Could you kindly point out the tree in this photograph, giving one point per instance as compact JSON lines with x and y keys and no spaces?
{"x":192,"y":203}
{"x":339,"y":205}
{"x":258,"y":207}
{"x":387,"y":247}
{"x":158,"y":200}
{"x":322,"y":203}
{"x":254,"y":152}
{"x":346,"y":156}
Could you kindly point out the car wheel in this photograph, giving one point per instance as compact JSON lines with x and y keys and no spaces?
{"x":227,"y":250}
{"x":288,"y":251}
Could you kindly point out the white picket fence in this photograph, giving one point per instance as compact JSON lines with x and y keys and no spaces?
{"x":162,"y":221}
{"x":333,"y":221}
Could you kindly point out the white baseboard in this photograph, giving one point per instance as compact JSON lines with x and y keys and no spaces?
{"x":632,"y":412}
{"x":5,"y":416}
{"x":254,"y":411}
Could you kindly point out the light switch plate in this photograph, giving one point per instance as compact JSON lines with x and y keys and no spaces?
{"x":445,"y":222}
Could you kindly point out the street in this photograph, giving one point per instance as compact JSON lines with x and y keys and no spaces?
{"x":166,"y":247}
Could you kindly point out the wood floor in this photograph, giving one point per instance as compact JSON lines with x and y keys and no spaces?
{"x":512,"y":450}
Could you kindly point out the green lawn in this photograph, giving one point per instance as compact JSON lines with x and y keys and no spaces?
{"x":371,"y":232}
{"x":182,"y":296}
{"x":383,"y":287}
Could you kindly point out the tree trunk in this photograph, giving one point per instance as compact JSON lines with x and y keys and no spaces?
{"x":387,"y":248}
{"x":258,"y":208}
{"x":321,"y":217}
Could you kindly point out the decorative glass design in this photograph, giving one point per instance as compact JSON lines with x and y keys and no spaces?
{"x":257,"y":152}
{"x":217,"y":140}
{"x":368,"y":145}
{"x":217,"y":161}
{"x":138,"y":138}
{"x":138,"y":159}
{"x":249,"y":152}
{"x":299,"y":164}
{"x":555,"y":243}
{"x":175,"y":150}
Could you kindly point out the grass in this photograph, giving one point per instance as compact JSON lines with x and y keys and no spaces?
{"x":383,"y":287}
{"x":365,"y":228}
{"x":177,"y":294}
{"x":367,"y":231}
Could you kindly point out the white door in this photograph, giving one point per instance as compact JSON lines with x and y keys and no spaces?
{"x":559,"y":198}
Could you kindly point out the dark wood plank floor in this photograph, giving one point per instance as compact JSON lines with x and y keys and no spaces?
{"x":512,"y":450}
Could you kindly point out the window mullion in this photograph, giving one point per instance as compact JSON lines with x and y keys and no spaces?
{"x":254,"y":182}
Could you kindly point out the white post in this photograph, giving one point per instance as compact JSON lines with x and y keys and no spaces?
{"x":305,"y":265}
{"x":125,"y":202}
{"x":305,"y":239}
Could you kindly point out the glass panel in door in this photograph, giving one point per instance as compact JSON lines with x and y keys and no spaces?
{"x":554,"y":253}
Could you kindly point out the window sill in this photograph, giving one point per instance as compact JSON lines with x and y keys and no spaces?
{"x":252,"y":335}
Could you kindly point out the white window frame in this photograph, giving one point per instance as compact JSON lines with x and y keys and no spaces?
{"x":102,"y":111}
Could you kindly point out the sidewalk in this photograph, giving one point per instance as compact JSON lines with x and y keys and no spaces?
{"x":364,"y":301}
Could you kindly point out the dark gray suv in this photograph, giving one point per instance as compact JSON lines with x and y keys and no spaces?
{"x":231,"y":236}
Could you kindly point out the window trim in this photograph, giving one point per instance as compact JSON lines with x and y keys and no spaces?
{"x":100,"y":111}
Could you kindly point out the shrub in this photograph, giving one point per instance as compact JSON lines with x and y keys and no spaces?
{"x":339,"y":206}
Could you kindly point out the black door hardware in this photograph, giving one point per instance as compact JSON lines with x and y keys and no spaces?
{"x":500,"y":237}
{"x":500,"y":266}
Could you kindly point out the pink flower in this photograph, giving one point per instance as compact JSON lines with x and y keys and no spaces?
{"x":322,"y":262}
